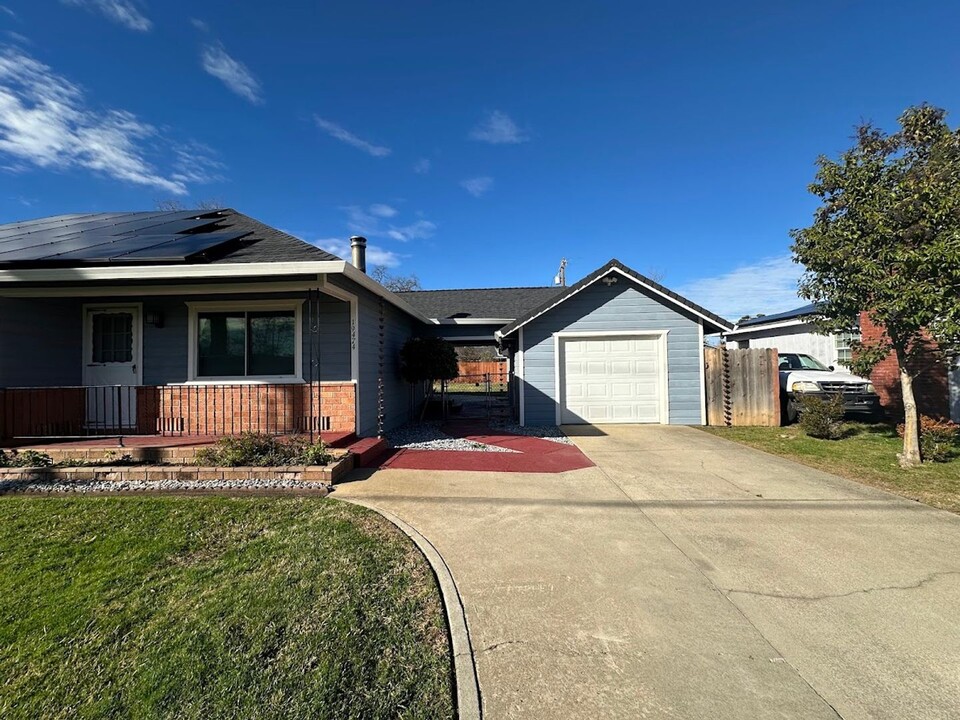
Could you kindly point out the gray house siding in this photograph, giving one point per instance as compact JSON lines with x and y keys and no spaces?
{"x":621,"y":307}
{"x":41,"y":338}
{"x":40,"y":342}
{"x":398,"y":396}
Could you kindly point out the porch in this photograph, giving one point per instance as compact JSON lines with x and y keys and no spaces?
{"x":197,"y":366}
{"x":200,"y":413}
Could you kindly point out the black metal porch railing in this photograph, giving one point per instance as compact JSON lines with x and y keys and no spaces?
{"x":179,"y":410}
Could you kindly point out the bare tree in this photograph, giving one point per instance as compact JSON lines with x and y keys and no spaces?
{"x":395,"y":283}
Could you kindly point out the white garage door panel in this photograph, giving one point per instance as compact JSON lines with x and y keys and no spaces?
{"x":611,"y":380}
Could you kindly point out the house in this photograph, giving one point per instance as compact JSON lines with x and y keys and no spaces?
{"x":192,"y":323}
{"x":212,"y":323}
{"x":937,"y":387}
{"x":793,"y":332}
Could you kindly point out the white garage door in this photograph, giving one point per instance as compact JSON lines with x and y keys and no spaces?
{"x":610,"y":380}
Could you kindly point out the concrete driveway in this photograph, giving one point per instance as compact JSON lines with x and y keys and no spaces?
{"x":688,"y":577}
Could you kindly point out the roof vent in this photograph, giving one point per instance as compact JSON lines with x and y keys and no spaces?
{"x":358,"y":247}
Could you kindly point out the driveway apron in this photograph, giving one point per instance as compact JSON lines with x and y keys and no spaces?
{"x":688,"y":577}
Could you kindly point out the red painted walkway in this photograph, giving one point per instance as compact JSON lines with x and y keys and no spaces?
{"x":532,"y":455}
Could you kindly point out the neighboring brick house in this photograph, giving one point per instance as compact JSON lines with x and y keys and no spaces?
{"x":932,"y":384}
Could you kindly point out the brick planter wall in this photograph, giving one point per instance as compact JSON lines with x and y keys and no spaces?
{"x":930,"y":386}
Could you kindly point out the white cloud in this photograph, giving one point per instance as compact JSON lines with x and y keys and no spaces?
{"x":199,"y":24}
{"x":45,"y":122}
{"x":415,"y":231}
{"x":124,"y":12}
{"x":381,"y":210}
{"x":767,"y":286}
{"x":477,"y":186}
{"x":233,"y":73}
{"x":422,"y":166}
{"x":368,"y":221}
{"x":343,"y":135}
{"x":498,"y":128}
{"x":7,"y":11}
{"x":376,"y":255}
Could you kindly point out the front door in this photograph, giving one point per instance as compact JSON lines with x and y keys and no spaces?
{"x":111,"y":367}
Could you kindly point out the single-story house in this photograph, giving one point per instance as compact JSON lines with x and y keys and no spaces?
{"x":937,"y":386}
{"x":793,"y":331}
{"x":212,"y":323}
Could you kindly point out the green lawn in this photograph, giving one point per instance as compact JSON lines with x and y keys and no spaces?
{"x":867,"y":453}
{"x":214,"y":608}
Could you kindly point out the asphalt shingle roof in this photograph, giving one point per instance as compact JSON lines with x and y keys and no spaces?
{"x":144,"y":238}
{"x":500,"y":303}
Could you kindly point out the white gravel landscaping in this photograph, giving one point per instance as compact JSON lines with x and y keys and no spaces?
{"x":429,"y":436}
{"x":119,"y":486}
{"x":544,"y":432}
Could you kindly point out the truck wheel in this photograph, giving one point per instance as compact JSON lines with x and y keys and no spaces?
{"x":788,"y":411}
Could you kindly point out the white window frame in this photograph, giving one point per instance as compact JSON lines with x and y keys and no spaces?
{"x":559,"y":361}
{"x":195,"y":308}
{"x":854,"y":336}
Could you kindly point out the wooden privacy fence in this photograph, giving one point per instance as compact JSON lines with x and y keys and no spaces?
{"x":469,"y":369}
{"x":743,"y":386}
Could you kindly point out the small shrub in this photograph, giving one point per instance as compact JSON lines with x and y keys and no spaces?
{"x":316,"y":454}
{"x":821,"y":418}
{"x":25,"y":458}
{"x":938,"y":438}
{"x":248,"y":449}
{"x":258,"y":450}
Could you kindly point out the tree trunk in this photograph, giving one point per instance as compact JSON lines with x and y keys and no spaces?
{"x":910,"y":457}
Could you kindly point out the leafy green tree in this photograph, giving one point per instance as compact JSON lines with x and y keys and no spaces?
{"x":886,"y":240}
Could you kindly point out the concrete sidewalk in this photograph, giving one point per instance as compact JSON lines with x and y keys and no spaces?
{"x":687,"y":577}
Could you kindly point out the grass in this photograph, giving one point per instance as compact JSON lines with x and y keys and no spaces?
{"x":865,"y":453}
{"x":215,"y":608}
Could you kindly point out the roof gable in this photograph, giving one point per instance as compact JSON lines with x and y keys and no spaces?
{"x":712,"y":322}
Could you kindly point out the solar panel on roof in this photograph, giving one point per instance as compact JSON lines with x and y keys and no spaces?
{"x":181,"y":248}
{"x":103,"y":237}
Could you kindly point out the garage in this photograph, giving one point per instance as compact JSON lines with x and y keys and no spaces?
{"x":616,"y":347}
{"x":612,"y":379}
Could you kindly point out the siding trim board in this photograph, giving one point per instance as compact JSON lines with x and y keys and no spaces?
{"x":522,"y":386}
{"x":560,"y":364}
{"x":703,"y":381}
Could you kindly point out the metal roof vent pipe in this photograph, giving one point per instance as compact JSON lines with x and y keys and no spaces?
{"x":358,"y":246}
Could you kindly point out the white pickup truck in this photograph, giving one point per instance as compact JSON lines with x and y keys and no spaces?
{"x":804,"y":375}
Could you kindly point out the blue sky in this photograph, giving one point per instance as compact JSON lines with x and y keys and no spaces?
{"x":474,"y":144}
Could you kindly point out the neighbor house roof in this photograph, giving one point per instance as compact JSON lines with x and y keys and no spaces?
{"x":479,"y":303}
{"x":712,"y":321}
{"x":794,"y":314}
{"x":148,"y":238}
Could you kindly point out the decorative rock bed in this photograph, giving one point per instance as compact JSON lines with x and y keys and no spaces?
{"x":119,"y":486}
{"x":139,"y":478}
{"x":544,"y":432}
{"x":429,"y":436}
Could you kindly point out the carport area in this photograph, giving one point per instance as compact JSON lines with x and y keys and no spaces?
{"x":688,"y":577}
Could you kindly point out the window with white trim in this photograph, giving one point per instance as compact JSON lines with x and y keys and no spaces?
{"x":237,"y":342}
{"x":843,"y":346}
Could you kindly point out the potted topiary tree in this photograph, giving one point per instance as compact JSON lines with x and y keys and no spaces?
{"x":427,"y":360}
